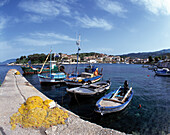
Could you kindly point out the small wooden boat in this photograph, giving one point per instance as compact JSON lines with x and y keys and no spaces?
{"x":114,"y":101}
{"x":163,"y":72}
{"x":90,"y":89}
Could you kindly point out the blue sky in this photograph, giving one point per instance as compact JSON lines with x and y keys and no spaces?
{"x":106,"y":26}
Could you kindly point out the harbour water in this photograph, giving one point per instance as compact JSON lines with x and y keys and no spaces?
{"x":152,"y":92}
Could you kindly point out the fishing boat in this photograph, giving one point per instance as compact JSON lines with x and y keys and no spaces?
{"x":53,"y":77}
{"x":162,"y":72}
{"x":28,"y":69}
{"x":114,"y":101}
{"x":92,"y":75}
{"x":90,"y":89}
{"x":83,"y":78}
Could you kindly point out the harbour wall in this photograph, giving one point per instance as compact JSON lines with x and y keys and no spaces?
{"x":16,"y":89}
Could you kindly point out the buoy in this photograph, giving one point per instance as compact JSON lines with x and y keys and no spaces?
{"x":139,"y":106}
{"x":147,"y":75}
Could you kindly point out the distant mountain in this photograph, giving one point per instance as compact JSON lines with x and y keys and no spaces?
{"x":147,"y":54}
{"x":8,"y":61}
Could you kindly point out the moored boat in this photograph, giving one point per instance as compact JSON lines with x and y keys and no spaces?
{"x":162,"y":72}
{"x":114,"y":101}
{"x":90,"y":89}
{"x":51,"y":78}
{"x":83,"y":78}
{"x":33,"y":70}
{"x":91,"y":73}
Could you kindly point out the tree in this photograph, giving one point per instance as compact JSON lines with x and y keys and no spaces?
{"x":150,"y":59}
{"x":156,"y":59}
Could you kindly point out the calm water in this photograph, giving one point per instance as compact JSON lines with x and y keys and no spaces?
{"x":152,"y":92}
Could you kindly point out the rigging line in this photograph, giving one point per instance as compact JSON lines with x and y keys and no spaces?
{"x":19,"y":88}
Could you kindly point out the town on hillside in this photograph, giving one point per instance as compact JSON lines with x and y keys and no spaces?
{"x":162,"y":61}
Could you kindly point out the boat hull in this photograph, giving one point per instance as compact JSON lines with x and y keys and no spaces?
{"x":85,"y":91}
{"x":50,"y":80}
{"x":77,"y":83}
{"x":30,"y":70}
{"x":162,"y":74}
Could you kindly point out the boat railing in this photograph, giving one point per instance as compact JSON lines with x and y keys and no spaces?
{"x":116,"y":92}
{"x":127,"y":94}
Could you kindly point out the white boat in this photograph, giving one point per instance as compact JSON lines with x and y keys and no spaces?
{"x":52,"y":78}
{"x":163,"y":72}
{"x":114,"y":101}
{"x":90,"y":89}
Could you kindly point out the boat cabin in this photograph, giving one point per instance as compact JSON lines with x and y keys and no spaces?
{"x":86,"y":75}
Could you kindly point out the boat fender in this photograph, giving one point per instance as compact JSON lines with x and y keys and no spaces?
{"x":139,"y":106}
{"x":80,"y":80}
{"x":17,"y":73}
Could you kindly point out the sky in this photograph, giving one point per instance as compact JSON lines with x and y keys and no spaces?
{"x":112,"y":27}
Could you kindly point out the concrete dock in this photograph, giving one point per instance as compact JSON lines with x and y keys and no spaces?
{"x":14,"y":92}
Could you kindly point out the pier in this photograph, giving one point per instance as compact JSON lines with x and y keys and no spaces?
{"x":16,"y":89}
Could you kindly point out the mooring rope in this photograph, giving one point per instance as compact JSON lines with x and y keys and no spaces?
{"x":19,"y":88}
{"x":76,"y":98}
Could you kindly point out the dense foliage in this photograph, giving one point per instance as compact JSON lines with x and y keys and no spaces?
{"x":34,"y":58}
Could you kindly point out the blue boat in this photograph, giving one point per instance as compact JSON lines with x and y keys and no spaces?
{"x":163,"y":72}
{"x":52,"y":78}
{"x":83,"y":78}
{"x":114,"y":101}
{"x":57,"y":77}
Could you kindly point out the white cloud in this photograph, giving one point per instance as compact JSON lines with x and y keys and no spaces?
{"x":155,"y":6}
{"x":3,"y":22}
{"x":112,"y":7}
{"x":36,"y":42}
{"x":101,"y":50}
{"x":43,"y":39}
{"x":4,"y":45}
{"x":3,"y":2}
{"x":45,"y":7}
{"x":35,"y":18}
{"x":53,"y":35}
{"x":87,"y":22}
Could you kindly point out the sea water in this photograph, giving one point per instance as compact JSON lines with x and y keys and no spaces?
{"x":150,"y":91}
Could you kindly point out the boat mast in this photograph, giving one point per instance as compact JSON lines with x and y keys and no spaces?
{"x":50,"y":61}
{"x":44,"y":62}
{"x":78,"y":44}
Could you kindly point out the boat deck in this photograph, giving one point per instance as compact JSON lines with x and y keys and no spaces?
{"x":109,"y":103}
